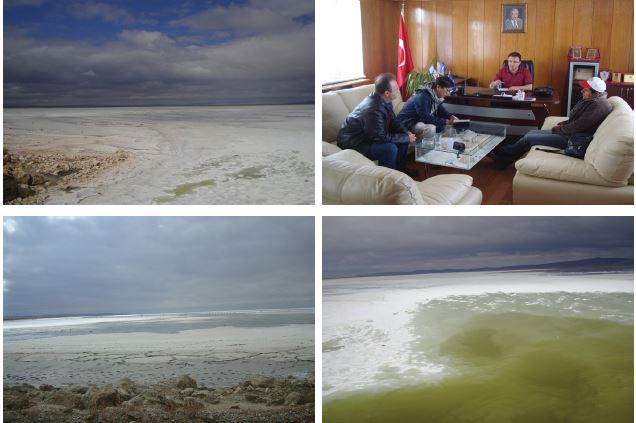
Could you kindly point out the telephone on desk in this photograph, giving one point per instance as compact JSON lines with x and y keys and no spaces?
{"x":543,"y":91}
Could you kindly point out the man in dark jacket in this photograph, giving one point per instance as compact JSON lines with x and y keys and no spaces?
{"x":424,"y":113}
{"x":373,"y":130}
{"x":585,"y":117}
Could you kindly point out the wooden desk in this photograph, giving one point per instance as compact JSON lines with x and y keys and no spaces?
{"x":478,"y":104}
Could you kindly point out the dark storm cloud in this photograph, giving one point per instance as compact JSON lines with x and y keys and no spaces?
{"x":363,"y":245}
{"x":146,"y":265}
{"x":231,"y":54}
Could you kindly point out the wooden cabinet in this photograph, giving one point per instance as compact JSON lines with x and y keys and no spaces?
{"x":625,"y":90}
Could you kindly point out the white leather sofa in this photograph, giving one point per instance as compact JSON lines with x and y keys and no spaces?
{"x":348,"y":177}
{"x":605,"y":176}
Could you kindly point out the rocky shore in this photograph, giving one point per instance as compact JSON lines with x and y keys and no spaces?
{"x":29,"y":176}
{"x":182,"y":399}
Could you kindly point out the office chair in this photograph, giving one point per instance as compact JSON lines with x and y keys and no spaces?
{"x":525,"y":63}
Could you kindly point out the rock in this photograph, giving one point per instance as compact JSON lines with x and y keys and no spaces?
{"x":15,"y":402}
{"x":186,"y":381}
{"x":213,"y":400}
{"x":10,"y":188}
{"x":252,"y":398}
{"x":79,"y":389}
{"x":25,"y":191}
{"x":235,"y":407}
{"x":68,"y":400}
{"x":262,"y":382}
{"x":294,"y":398}
{"x":187,"y":392}
{"x":275,"y":401}
{"x":104,"y":397}
{"x":38,"y":179}
{"x":124,"y":394}
{"x":199,"y":393}
{"x":310,"y":397}
{"x":23,"y":388}
{"x":47,"y":387}
{"x":311,"y":378}
{"x":192,"y":406}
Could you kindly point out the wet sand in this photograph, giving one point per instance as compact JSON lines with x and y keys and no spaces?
{"x":175,"y":155}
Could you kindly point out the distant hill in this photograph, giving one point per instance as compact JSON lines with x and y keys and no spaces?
{"x":576,"y":266}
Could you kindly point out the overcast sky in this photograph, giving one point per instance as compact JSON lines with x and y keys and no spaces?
{"x":363,"y":245}
{"x":121,"y":52}
{"x":148,"y":265}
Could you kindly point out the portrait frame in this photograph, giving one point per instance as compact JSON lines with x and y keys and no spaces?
{"x":507,"y":24}
{"x":576,"y":52}
{"x":591,"y":54}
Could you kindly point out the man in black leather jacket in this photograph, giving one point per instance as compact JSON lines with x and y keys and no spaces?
{"x":373,"y":130}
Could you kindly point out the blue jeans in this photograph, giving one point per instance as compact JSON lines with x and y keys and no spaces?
{"x":534,"y":137}
{"x":389,"y":154}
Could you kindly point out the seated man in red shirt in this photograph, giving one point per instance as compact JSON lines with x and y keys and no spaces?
{"x":514,"y":77}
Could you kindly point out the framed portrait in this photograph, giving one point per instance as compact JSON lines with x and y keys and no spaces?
{"x":513,"y":17}
{"x":575,"y":52}
{"x":592,"y":54}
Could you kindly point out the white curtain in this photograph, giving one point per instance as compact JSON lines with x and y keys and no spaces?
{"x":339,"y":40}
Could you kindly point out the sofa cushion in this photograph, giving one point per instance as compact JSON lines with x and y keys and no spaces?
{"x":334,"y":113}
{"x":445,"y":189}
{"x":530,"y":190}
{"x":351,"y":97}
{"x":551,"y":121}
{"x":350,"y":178}
{"x":611,"y":152}
{"x":561,"y":167}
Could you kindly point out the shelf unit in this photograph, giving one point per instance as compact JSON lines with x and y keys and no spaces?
{"x":575,"y":72}
{"x":625,"y":90}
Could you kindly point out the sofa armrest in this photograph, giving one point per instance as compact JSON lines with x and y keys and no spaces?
{"x":445,"y":189}
{"x":328,"y":149}
{"x":560,"y":167}
{"x":350,"y":178}
{"x":551,"y":121}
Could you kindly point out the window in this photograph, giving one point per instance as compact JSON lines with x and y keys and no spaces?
{"x":340,"y":46}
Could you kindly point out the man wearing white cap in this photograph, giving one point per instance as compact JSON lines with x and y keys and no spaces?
{"x":585,"y":117}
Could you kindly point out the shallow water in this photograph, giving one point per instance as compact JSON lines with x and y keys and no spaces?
{"x":489,"y":356}
{"x":515,"y":367}
{"x":218,"y":349}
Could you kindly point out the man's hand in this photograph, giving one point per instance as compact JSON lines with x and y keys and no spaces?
{"x":496,"y":84}
{"x":412,"y":138}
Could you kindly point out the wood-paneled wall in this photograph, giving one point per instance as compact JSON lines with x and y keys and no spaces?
{"x":466,"y":35}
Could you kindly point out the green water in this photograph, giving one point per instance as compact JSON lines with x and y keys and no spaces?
{"x":514,"y":367}
{"x":184,"y":189}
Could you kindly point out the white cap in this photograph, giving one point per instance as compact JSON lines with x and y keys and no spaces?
{"x":596,"y":83}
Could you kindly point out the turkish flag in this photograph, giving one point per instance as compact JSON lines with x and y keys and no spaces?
{"x":405,"y":64}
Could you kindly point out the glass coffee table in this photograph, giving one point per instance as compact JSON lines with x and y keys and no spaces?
{"x":446,"y":149}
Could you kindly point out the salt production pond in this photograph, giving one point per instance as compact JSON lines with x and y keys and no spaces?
{"x":482,"y":346}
